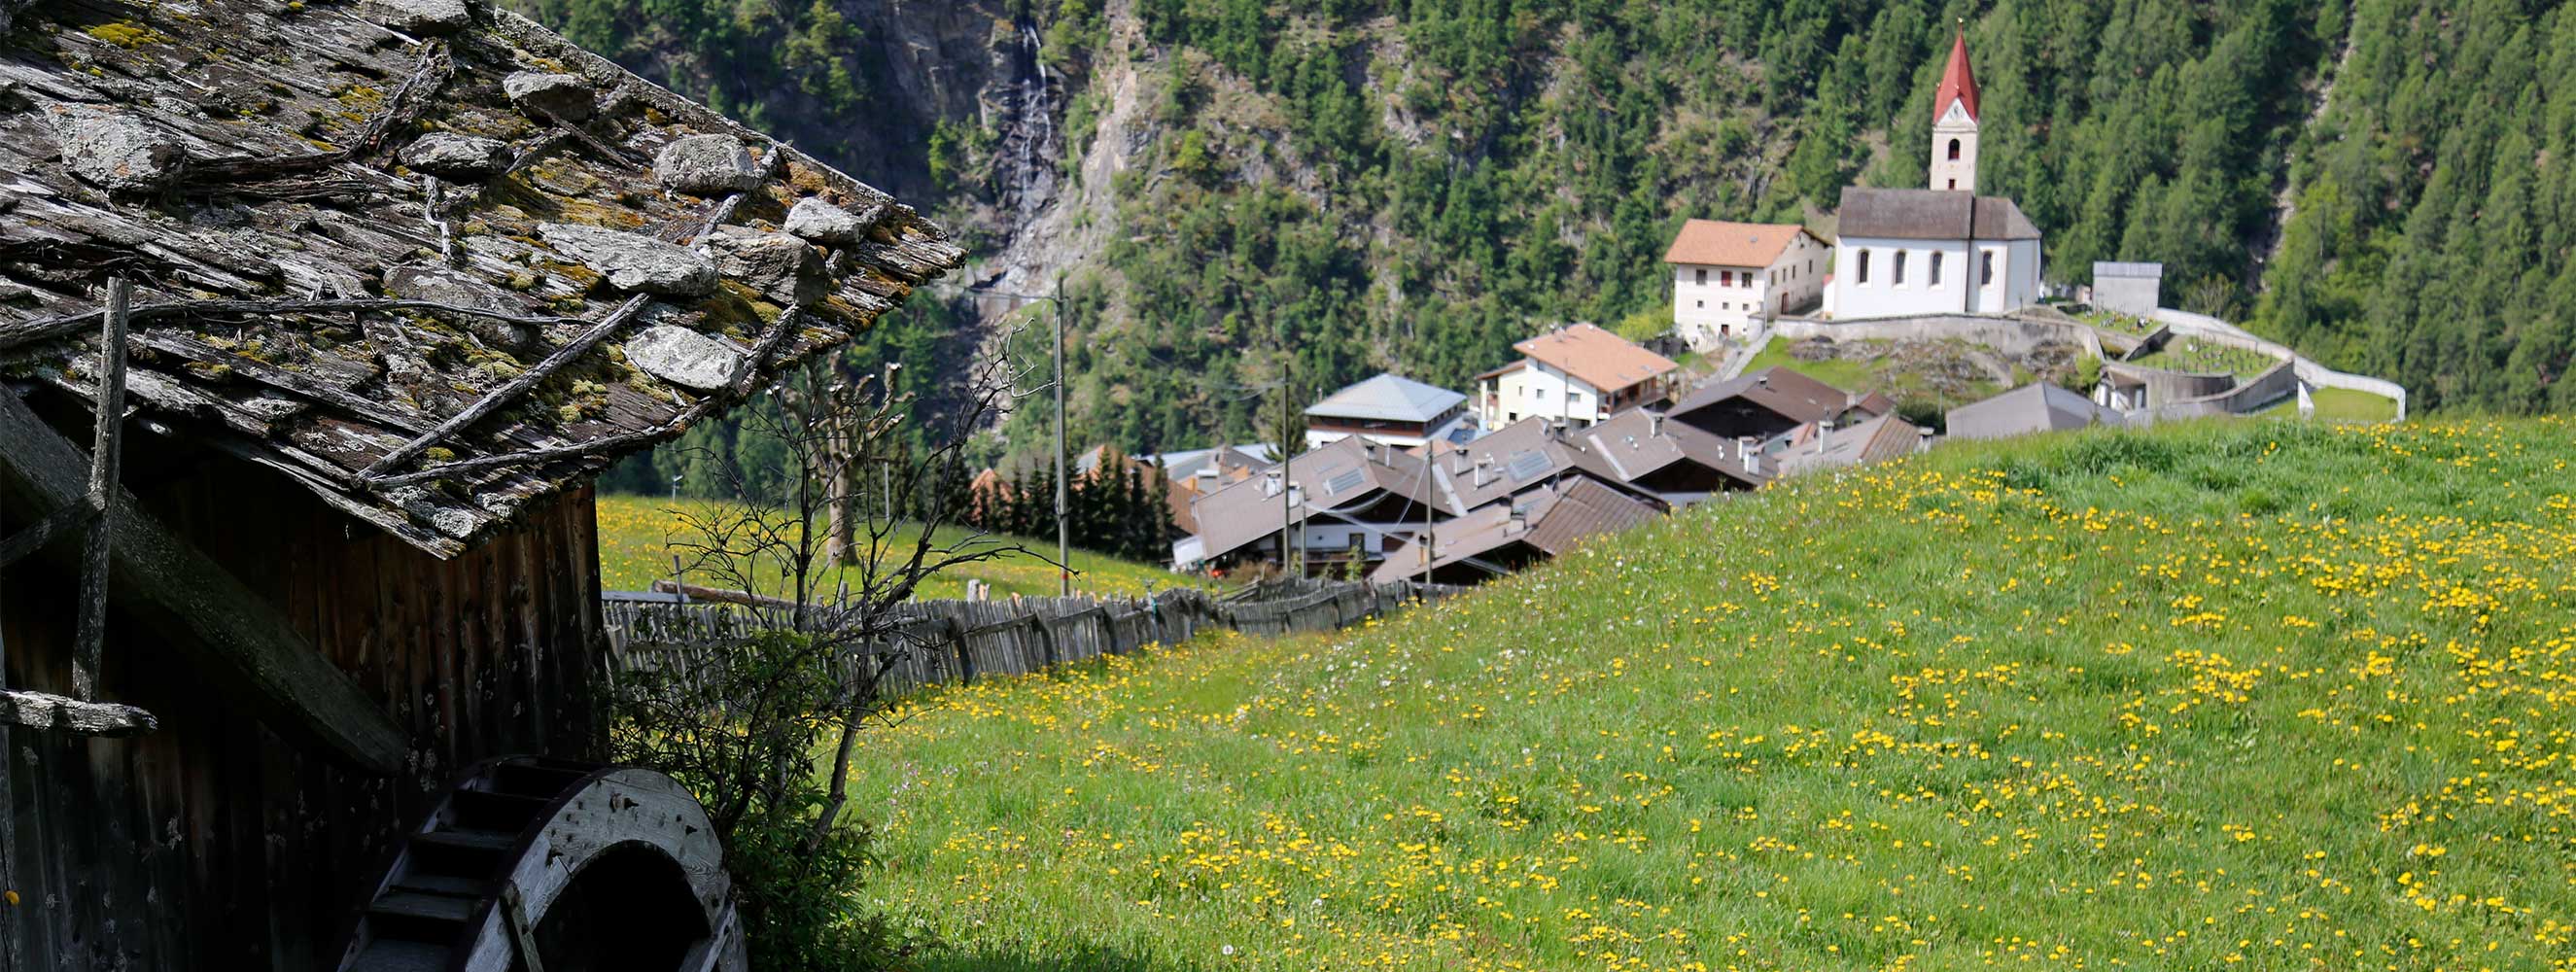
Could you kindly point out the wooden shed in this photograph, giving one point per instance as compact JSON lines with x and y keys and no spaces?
{"x":368,"y":292}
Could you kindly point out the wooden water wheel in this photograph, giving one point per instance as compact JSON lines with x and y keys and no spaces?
{"x":553,"y":865}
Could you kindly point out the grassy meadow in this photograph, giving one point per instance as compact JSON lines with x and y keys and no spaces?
{"x":2258,"y":695}
{"x":635,"y":534}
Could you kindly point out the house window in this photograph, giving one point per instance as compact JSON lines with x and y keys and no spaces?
{"x":1701,"y":276}
{"x":1954,"y":183}
{"x":1954,"y":156}
{"x":1539,"y":393}
{"x":1986,"y":268}
{"x":1864,"y":267}
{"x":1726,"y":278}
{"x":1936,"y":268}
{"x":1699,"y":305}
{"x":1900,"y":268}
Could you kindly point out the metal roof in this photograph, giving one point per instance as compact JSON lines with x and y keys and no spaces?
{"x":1388,"y":398}
{"x":2107,"y":268}
{"x":2035,"y":407}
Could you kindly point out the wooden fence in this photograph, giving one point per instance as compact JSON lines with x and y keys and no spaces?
{"x":959,"y":641}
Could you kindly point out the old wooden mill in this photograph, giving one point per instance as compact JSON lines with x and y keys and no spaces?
{"x":316,"y":320}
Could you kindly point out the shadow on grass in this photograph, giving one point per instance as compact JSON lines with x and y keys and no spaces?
{"x":1074,"y":958}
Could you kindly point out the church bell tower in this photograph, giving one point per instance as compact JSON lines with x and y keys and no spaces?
{"x":1954,"y":123}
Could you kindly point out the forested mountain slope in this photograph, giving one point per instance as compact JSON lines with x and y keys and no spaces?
{"x":1344,"y":185}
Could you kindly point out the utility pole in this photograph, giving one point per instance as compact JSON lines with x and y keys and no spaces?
{"x":1430,"y":494}
{"x":1063,"y":530}
{"x":885,"y":464}
{"x":1287,"y":487}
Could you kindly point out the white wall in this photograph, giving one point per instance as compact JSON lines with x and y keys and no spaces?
{"x":1700,"y":309}
{"x":2016,"y":283}
{"x":1882,"y":296}
{"x":1534,"y":389}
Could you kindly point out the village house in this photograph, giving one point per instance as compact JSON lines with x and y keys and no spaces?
{"x":1770,"y":402}
{"x":2035,"y":407}
{"x":1352,"y":500}
{"x":329,"y":699}
{"x":1942,"y":249}
{"x":1727,"y":275}
{"x":1578,"y":374}
{"x":1389,"y":409}
{"x":1824,"y":446}
{"x":1647,"y":451}
{"x":1501,"y":537}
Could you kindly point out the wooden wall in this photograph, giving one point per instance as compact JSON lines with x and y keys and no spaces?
{"x":211,"y":844}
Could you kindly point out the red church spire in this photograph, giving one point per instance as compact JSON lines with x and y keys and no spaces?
{"x":1957,"y":81}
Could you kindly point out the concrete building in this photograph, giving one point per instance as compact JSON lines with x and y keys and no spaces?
{"x":1942,"y":249}
{"x":1579,"y":374}
{"x":1726,"y":275}
{"x":2128,"y":288}
{"x":1389,"y":409}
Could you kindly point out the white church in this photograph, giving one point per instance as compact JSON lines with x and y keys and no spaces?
{"x":1941,"y":249}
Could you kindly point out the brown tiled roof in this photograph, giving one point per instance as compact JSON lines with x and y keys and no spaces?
{"x":1585,"y":508}
{"x":1716,"y":243}
{"x":1928,"y":214}
{"x":1784,"y":391}
{"x":1635,"y":444}
{"x":1596,"y":357}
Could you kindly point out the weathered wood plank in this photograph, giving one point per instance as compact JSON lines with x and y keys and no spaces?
{"x":511,"y":390}
{"x":243,"y":646}
{"x":45,"y":531}
{"x":105,"y":491}
{"x":40,"y":710}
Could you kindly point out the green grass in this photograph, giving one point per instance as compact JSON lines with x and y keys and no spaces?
{"x":1842,"y":373}
{"x":2123,"y":323}
{"x":2259,"y":695}
{"x":2340,"y":405}
{"x":2186,"y":354}
{"x":635,"y":533}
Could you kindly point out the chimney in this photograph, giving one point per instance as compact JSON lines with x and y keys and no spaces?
{"x":1519,"y":522}
{"x":1923,"y":440}
{"x":1824,"y":430}
{"x":1484,"y":470}
{"x":1745,"y":450}
{"x":1655,"y":424}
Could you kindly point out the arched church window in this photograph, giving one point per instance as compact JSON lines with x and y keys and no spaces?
{"x":1954,"y":150}
{"x":1864,"y":266}
{"x":1936,"y":268}
{"x":1900,"y":268}
{"x":1986,"y":268}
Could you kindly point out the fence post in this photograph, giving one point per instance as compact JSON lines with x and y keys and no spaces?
{"x":1046,"y":636}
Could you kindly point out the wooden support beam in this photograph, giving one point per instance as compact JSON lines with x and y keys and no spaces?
{"x":39,"y":710}
{"x":523,"y":933}
{"x":106,"y":449}
{"x":245,"y":650}
{"x":34,"y":538}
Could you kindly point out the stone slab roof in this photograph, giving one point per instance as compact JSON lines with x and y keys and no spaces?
{"x":1931,"y":214}
{"x":424,"y":257}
